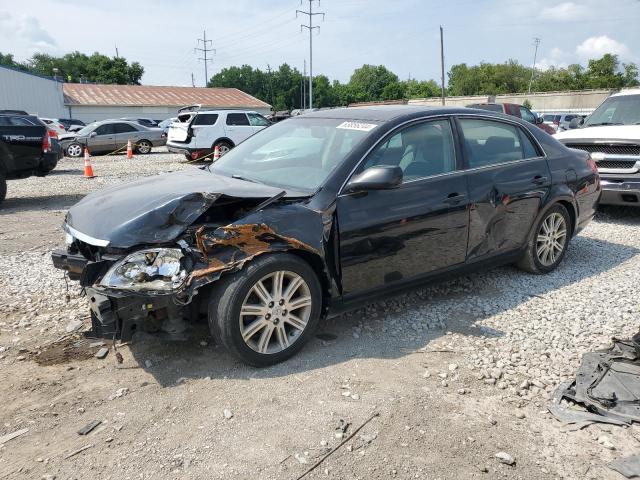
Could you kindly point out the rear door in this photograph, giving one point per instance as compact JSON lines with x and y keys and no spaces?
{"x":179,"y":130}
{"x":508,"y":179}
{"x":104,"y":139}
{"x":388,"y":236}
{"x":204,"y":128}
{"x":123,"y":132}
{"x":237,"y":127}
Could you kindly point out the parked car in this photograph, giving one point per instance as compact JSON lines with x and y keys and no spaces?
{"x":559,"y":121}
{"x":71,"y":124}
{"x":196,"y":134}
{"x":165,"y":124}
{"x":320,"y":212}
{"x":611,"y":134}
{"x":26,"y":149}
{"x":53,"y":124}
{"x":145,"y":122}
{"x":516,"y":110}
{"x":110,"y":135}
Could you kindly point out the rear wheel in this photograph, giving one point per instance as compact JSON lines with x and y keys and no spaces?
{"x":266,"y":312}
{"x":223,"y":145}
{"x":143,"y":146}
{"x":74,"y":150}
{"x":3,"y":188}
{"x":549,"y":241}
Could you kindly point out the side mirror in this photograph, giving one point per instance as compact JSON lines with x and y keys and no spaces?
{"x":93,"y":134}
{"x":539,"y":119}
{"x":376,"y":178}
{"x":576,"y":122}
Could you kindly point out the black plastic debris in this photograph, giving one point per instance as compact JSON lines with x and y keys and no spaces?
{"x":628,"y":466}
{"x":607,"y":385}
{"x":89,"y":426}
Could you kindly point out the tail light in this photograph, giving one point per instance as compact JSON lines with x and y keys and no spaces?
{"x":62,"y":127}
{"x":46,"y":143}
{"x":52,"y":133}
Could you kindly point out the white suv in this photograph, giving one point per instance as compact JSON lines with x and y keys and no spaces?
{"x":196,"y":134}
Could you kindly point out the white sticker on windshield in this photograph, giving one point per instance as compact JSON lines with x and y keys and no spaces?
{"x":363,"y":127}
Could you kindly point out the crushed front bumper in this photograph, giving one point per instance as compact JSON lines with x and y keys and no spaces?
{"x":120,"y":313}
{"x":618,"y":191}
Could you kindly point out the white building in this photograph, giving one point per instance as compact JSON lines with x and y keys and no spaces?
{"x":35,"y":94}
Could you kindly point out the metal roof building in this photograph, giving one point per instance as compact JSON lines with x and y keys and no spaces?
{"x":89,"y":102}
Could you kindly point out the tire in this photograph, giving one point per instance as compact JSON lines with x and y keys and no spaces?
{"x":543,"y":255}
{"x":283,"y":339}
{"x":74,"y":150}
{"x":143,"y":147}
{"x":188,"y":156}
{"x":3,"y":188}
{"x":223,"y":145}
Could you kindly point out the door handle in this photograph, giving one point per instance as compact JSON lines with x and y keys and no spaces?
{"x":454,"y":198}
{"x":539,"y":180}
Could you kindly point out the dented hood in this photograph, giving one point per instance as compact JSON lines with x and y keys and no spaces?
{"x":154,"y":209}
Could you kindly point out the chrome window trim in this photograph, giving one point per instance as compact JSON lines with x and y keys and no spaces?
{"x":83,"y":237}
{"x":450,"y":117}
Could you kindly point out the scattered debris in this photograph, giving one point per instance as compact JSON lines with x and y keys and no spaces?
{"x":340,"y":427}
{"x":228,"y":414}
{"x":73,"y":326}
{"x":96,"y":344}
{"x":605,"y":441}
{"x":607,"y":383}
{"x":75,"y":452}
{"x":119,"y":357}
{"x":10,"y":436}
{"x":102,"y":353}
{"x":504,"y":457}
{"x":121,"y":392}
{"x":300,"y":458}
{"x":628,"y":466}
{"x":89,"y":426}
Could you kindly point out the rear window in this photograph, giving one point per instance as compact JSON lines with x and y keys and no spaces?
{"x":185,"y":117}
{"x":16,"y":121}
{"x":489,"y":106}
{"x":205,"y":119}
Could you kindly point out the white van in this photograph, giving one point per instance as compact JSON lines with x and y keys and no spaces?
{"x":197,"y":133}
{"x":611,"y":134}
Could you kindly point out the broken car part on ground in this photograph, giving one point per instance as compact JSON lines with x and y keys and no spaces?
{"x":311,"y":215}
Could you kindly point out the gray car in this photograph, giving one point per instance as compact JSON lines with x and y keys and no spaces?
{"x":110,"y":135}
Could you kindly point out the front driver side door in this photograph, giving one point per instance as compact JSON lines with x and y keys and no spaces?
{"x":104,"y":140}
{"x":388,"y":236}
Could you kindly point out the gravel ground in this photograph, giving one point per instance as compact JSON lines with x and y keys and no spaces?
{"x":457,"y":371}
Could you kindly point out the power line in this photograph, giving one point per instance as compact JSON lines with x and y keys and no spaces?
{"x":205,"y":50}
{"x":310,"y":27}
{"x":536,"y":42}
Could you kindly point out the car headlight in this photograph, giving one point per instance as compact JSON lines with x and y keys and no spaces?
{"x":155,"y":269}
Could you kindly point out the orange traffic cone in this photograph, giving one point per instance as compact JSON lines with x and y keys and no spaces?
{"x":88,"y":171}
{"x":216,"y":153}
{"x":129,"y":149}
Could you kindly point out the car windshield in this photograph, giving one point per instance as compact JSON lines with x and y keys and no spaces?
{"x":297,"y":154}
{"x":86,"y":130}
{"x":620,"y":110}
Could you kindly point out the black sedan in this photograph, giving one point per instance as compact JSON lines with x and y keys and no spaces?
{"x":319,"y":213}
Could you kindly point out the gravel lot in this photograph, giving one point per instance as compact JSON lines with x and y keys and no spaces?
{"x":458,"y":371}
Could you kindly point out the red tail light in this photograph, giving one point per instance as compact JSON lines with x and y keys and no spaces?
{"x":53,"y":134}
{"x":46,"y":143}
{"x":62,"y":127}
{"x":556,"y":122}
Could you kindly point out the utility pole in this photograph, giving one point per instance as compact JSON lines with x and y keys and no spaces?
{"x":310,"y":27}
{"x":117,"y":52}
{"x":536,"y":42}
{"x":204,"y":51}
{"x":270,"y":84}
{"x":304,"y":86}
{"x":193,"y":80}
{"x":442,"y":60}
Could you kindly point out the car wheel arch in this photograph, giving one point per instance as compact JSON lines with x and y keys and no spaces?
{"x":567,"y":201}
{"x":224,"y":139}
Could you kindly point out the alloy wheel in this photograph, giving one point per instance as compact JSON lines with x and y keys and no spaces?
{"x":74,"y":150}
{"x":275,"y":312}
{"x":223,"y":148}
{"x":551,"y":239}
{"x":144,"y":147}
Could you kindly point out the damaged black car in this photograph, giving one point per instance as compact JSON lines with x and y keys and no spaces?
{"x":316,"y":214}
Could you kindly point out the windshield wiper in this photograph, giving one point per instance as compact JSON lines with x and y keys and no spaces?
{"x":603,"y":124}
{"x":240,"y":177}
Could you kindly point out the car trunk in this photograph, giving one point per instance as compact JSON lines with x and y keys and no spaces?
{"x":180,"y":130}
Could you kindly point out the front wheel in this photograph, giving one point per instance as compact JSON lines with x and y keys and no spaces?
{"x":74,"y":150}
{"x":549,"y":242}
{"x":266,"y":312}
{"x":143,"y":146}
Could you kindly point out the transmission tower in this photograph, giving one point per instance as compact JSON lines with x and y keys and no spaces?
{"x":310,"y":27}
{"x":205,"y":49}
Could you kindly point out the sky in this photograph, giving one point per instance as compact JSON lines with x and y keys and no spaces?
{"x":403,"y":35}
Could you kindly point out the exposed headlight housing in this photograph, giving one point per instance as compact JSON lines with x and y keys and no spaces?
{"x":155,"y":269}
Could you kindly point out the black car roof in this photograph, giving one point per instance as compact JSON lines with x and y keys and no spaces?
{"x":385,"y":113}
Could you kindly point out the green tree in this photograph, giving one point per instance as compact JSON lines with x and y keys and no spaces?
{"x":368,"y":82}
{"x":394,"y":91}
{"x":421,"y":89}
